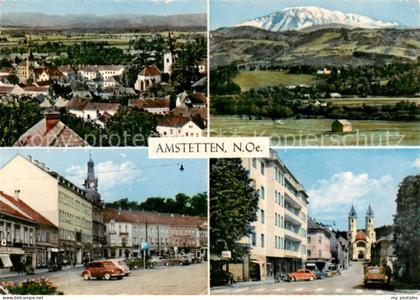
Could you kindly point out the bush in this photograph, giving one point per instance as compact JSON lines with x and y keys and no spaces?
{"x":40,"y":286}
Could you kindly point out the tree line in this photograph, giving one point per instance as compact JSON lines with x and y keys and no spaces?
{"x":195,"y":205}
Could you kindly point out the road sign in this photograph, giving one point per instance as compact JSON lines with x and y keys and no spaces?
{"x":227,"y":254}
{"x":144,"y":246}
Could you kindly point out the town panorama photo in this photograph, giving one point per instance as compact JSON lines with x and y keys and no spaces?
{"x":101,"y":73}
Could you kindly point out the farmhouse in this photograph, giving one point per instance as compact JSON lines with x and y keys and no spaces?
{"x":177,"y":126}
{"x":341,"y":126}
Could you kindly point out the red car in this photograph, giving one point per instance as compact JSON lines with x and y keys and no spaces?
{"x":105,"y":269}
{"x":301,"y":274}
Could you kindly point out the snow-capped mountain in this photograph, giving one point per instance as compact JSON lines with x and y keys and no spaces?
{"x":297,"y":18}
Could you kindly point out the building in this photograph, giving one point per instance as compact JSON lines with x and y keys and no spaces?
{"x":46,"y":233}
{"x":23,"y":71}
{"x":384,"y":251}
{"x":319,"y":245}
{"x":92,"y":111}
{"x":102,"y":72}
{"x":179,"y":126}
{"x":148,"y":77}
{"x":361,"y":241}
{"x":98,"y":226}
{"x":50,"y":131}
{"x":169,"y":57}
{"x":17,"y":234}
{"x":341,"y":126}
{"x":166,"y":234}
{"x":191,"y":100}
{"x":278,"y":242}
{"x":153,"y":106}
{"x":57,"y":199}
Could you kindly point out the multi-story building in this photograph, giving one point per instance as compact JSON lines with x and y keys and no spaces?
{"x":58,"y":200}
{"x":165,"y":234}
{"x":278,"y":242}
{"x":361,"y":241}
{"x":17,"y":236}
{"x":46,"y":233}
{"x":319,"y":245}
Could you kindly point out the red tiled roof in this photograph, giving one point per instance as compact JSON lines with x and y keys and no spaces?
{"x":153,"y":218}
{"x":27,"y":210}
{"x":149,"y":103}
{"x":77,"y":103}
{"x":150,"y":71}
{"x":197,"y":98}
{"x":174,"y":121}
{"x":7,"y":209}
{"x":34,"y":88}
{"x":6,"y":89}
{"x":193,"y":112}
{"x":59,"y":135}
{"x":102,"y":106}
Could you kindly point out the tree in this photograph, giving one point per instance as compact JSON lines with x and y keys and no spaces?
{"x":233,"y":206}
{"x":406,"y":231}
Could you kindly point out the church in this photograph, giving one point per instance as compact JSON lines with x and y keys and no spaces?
{"x":361,"y":241}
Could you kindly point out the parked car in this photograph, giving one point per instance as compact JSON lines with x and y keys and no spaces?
{"x":106,"y":269}
{"x":121,"y":263}
{"x":375,"y":275}
{"x":319,"y":274}
{"x":301,"y":274}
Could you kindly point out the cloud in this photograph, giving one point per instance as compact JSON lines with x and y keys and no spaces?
{"x":416,"y":163}
{"x":333,"y":197}
{"x":110,"y":174}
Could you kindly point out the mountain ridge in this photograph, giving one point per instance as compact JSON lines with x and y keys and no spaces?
{"x":301,"y":17}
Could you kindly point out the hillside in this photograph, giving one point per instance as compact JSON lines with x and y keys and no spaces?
{"x":328,"y":46}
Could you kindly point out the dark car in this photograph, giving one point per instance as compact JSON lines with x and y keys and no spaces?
{"x":106,"y":269}
{"x":320,"y":274}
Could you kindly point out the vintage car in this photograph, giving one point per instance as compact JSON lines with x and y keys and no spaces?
{"x":301,"y":274}
{"x":121,"y":263}
{"x":375,"y":275}
{"x":106,"y":269}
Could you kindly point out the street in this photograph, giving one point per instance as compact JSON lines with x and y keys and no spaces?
{"x":179,"y":280}
{"x":349,"y":283}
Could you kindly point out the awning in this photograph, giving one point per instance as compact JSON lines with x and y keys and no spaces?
{"x":53,"y":249}
{"x":5,"y":259}
{"x":311,"y":264}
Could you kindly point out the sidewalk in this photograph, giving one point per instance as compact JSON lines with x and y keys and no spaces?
{"x":37,"y":271}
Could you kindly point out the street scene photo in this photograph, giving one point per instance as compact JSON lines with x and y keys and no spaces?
{"x":102,"y":222}
{"x":102,"y":72}
{"x":316,"y":222}
{"x":316,"y":72}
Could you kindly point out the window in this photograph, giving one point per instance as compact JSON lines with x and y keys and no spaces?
{"x":319,"y":253}
{"x":262,"y":193}
{"x":309,"y":239}
{"x":262,"y":240}
{"x":309,"y":253}
{"x":262,"y":168}
{"x":275,"y":219}
{"x":262,"y":216}
{"x":253,"y":239}
{"x":320,"y":240}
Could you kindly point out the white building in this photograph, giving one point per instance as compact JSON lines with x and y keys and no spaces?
{"x":55,"y":198}
{"x":148,"y":77}
{"x":178,"y":126}
{"x":169,"y":60}
{"x":279,"y":238}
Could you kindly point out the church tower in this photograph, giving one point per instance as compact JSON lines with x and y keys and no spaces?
{"x":91,"y":183}
{"x":169,"y":57}
{"x":370,"y":227}
{"x":352,"y":224}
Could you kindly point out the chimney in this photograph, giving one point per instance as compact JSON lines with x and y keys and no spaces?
{"x":17,"y":192}
{"x":51,"y":119}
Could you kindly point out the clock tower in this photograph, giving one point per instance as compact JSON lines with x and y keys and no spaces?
{"x":91,"y":183}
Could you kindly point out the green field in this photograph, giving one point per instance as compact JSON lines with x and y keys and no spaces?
{"x":372,"y":101}
{"x":317,"y":132}
{"x":259,"y":79}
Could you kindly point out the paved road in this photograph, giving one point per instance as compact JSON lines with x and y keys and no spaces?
{"x":349,"y":283}
{"x":179,"y":280}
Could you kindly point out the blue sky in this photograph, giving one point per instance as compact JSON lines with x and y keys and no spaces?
{"x":232,"y":12}
{"x":126,"y":173}
{"x":336,"y":179}
{"x":106,"y":7}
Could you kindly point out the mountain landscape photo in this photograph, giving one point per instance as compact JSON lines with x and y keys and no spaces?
{"x":296,"y":70}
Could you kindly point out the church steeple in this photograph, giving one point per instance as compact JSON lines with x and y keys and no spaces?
{"x":352,"y":224}
{"x":370,"y":226}
{"x":91,"y":182}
